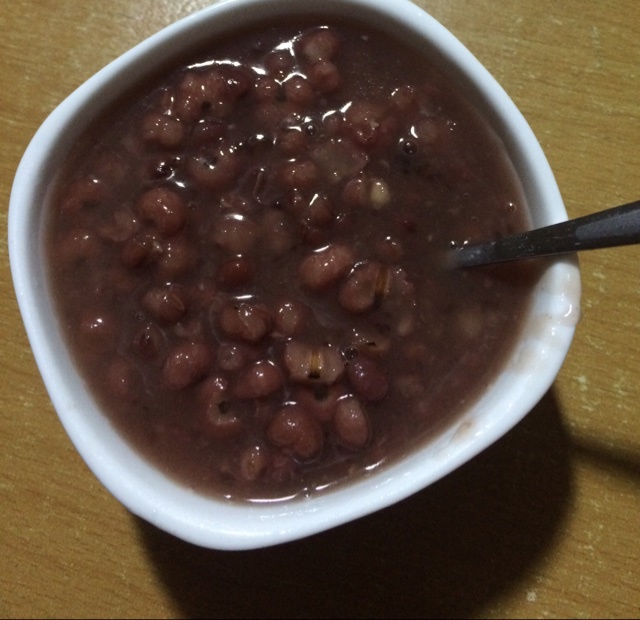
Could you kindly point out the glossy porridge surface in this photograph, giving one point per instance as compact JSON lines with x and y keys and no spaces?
{"x":247,"y":260}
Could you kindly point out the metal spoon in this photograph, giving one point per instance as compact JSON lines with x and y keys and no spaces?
{"x":604,"y":229}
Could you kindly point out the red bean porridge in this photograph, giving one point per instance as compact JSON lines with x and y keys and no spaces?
{"x":246,"y":260}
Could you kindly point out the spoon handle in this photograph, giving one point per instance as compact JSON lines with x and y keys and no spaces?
{"x":604,"y":229}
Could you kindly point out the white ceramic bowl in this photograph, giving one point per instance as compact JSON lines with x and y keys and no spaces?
{"x":530,"y":371}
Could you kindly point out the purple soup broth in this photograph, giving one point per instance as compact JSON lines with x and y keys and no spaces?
{"x":246,"y":260}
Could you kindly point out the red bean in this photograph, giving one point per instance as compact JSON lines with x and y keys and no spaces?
{"x":244,"y":321}
{"x":266,"y":88}
{"x":186,"y":364}
{"x":363,"y":118}
{"x":122,"y":225}
{"x":298,"y":90}
{"x":204,"y":92}
{"x":221,"y":420}
{"x":110,"y":169}
{"x":294,"y":428}
{"x":278,"y":235}
{"x":405,"y":99}
{"x":430,"y":132}
{"x":236,"y":233}
{"x":238,"y":79}
{"x":410,"y":386}
{"x":163,"y":130}
{"x":399,"y":301}
{"x":214,"y":388}
{"x":254,"y":461}
{"x":389,"y":249}
{"x":78,"y":244}
{"x":321,"y":44}
{"x":365,"y":286}
{"x":177,"y":256}
{"x":319,"y":400}
{"x":166,"y":304}
{"x":351,"y":423}
{"x":215,"y":170}
{"x":371,"y":341}
{"x":355,"y":192}
{"x":83,"y":194}
{"x":367,"y":192}
{"x":148,"y":342}
{"x":233,"y":356}
{"x":319,"y":212}
{"x":120,"y":280}
{"x":313,"y":364}
{"x":235,"y":273}
{"x":339,"y":159}
{"x":417,"y":352}
{"x":140,"y":248}
{"x":367,"y":378}
{"x":401,"y":286}
{"x":123,"y":380}
{"x":301,"y":174}
{"x":291,"y":141}
{"x":388,"y":133}
{"x":290,"y":318}
{"x":279,"y":63}
{"x":282,"y":468}
{"x":165,"y":208}
{"x":312,"y":236}
{"x":191,"y":329}
{"x":326,"y":266}
{"x":202,"y":293}
{"x":261,"y":379}
{"x":99,"y":329}
{"x":333,"y":124}
{"x":325,"y":77}
{"x":406,"y":323}
{"x":188,"y":102}
{"x":207,"y":131}
{"x":273,"y":114}
{"x":235,"y":204}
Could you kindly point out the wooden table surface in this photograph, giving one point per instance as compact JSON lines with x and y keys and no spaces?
{"x":545,"y":523}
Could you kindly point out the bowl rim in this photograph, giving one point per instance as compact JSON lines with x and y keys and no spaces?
{"x":242,"y":526}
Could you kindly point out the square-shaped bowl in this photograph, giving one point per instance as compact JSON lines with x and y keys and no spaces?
{"x":142,"y":488}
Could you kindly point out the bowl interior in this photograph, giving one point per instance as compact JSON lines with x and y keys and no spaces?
{"x":141,"y":487}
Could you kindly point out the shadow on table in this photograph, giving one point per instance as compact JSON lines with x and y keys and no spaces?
{"x":618,"y":460}
{"x":448,"y":551}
